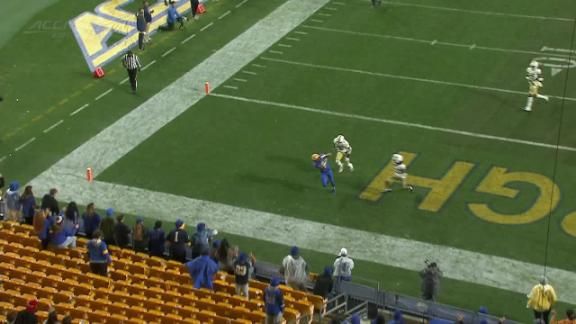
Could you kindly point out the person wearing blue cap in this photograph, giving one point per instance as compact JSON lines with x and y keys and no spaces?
{"x":295,"y":269}
{"x":12,"y":200}
{"x":107,"y":227}
{"x":243,"y":268}
{"x":274,"y":302}
{"x":201,"y":239}
{"x":202,"y":270}
{"x":178,"y":241}
{"x":324,"y":283}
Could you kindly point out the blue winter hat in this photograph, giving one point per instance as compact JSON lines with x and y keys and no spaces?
{"x":294,"y":251}
{"x":200,"y":227}
{"x":216,"y":244}
{"x":109,"y":212}
{"x":483,"y":310}
{"x":14,"y":185}
{"x":355,"y":319}
{"x":328,"y":271}
{"x":179,"y":223}
{"x":242,"y":257}
{"x":275,"y":282}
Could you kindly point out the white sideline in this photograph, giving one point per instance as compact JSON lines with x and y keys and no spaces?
{"x":403,"y":77}
{"x":396,"y":122}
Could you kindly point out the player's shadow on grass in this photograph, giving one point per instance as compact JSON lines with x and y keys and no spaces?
{"x":274,"y":181}
{"x":301,"y":164}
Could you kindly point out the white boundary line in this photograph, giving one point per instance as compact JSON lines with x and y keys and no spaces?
{"x":53,"y":126}
{"x":188,"y":38}
{"x":206,"y":27}
{"x":224,"y":14}
{"x":150,"y":64}
{"x":103,"y":94}
{"x":25,"y":144}
{"x":79,"y":109}
{"x":396,"y":122}
{"x":402,"y":77}
{"x":168,"y":52}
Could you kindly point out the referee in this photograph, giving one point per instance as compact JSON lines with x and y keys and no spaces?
{"x":132,"y":65}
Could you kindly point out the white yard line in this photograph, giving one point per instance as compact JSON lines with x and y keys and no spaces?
{"x":240,"y":4}
{"x":477,"y":12}
{"x":25,"y":144}
{"x":53,"y":126}
{"x":224,"y":14}
{"x":402,"y":77}
{"x":431,"y":42}
{"x":123,"y":81}
{"x":187,"y":39}
{"x":168,"y":52}
{"x":79,"y":109}
{"x":206,"y":27}
{"x":459,"y":264}
{"x":150,"y":64}
{"x":326,"y":111}
{"x":103,"y":94}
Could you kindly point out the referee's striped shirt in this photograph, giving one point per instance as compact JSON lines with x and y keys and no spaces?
{"x":131,"y":61}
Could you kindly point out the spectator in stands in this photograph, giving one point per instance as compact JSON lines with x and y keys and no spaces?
{"x":121,"y":232}
{"x":274,"y":302}
{"x":398,"y":317}
{"x":52,"y":316}
{"x":201,"y":239}
{"x":12,"y":200}
{"x":430,"y":281}
{"x":178,"y":241}
{"x":295,"y":269}
{"x":42,"y":225}
{"x":11,"y":317}
{"x":28,"y":315}
{"x":570,"y":317}
{"x":63,"y":236}
{"x":324,"y":283}
{"x":49,"y":202}
{"x":343,"y":266}
{"x":541,"y":299}
{"x":28,"y":205}
{"x":243,"y":268}
{"x":67,"y":320}
{"x":226,"y":256}
{"x":71,"y":214}
{"x":379,"y":319}
{"x":157,"y":240}
{"x":91,"y":220}
{"x":107,"y":227}
{"x":98,"y":254}
{"x":202,"y":270}
{"x":139,"y":235}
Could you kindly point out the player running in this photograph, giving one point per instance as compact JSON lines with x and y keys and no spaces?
{"x":399,"y":174}
{"x":535,"y":79}
{"x":326,"y":174}
{"x":343,"y":151}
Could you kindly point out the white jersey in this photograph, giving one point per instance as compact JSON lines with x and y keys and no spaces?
{"x":400,"y":170}
{"x":343,"y":266}
{"x":342,"y":145}
{"x":294,"y":269}
{"x":533,"y":74}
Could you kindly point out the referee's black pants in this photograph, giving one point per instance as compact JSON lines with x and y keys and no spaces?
{"x":132,"y":76}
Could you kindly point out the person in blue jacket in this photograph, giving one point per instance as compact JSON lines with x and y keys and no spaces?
{"x":202,"y":270}
{"x":274,"y":302}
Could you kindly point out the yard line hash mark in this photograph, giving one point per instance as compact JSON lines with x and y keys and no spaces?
{"x":324,"y":14}
{"x":240,"y":80}
{"x":293,"y":39}
{"x":230,"y":87}
{"x":240,"y":4}
{"x":53,"y":126}
{"x":250,"y":72}
{"x":317,"y":20}
{"x":123,"y":81}
{"x":3,"y":158}
{"x":301,"y":32}
{"x":79,"y":109}
{"x":188,"y":38}
{"x":206,"y":27}
{"x":150,"y":64}
{"x":276,"y":52}
{"x":25,"y":144}
{"x":396,"y":122}
{"x":258,"y":66}
{"x":168,"y":52}
{"x":103,"y":94}
{"x":224,"y":14}
{"x":284,"y":45}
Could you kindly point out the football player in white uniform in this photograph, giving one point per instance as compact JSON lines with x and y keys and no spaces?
{"x":399,"y":174}
{"x":535,"y":79}
{"x":343,"y":152}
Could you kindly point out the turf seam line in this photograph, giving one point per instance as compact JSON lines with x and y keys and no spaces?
{"x":150,"y":64}
{"x":25,"y":144}
{"x":188,"y":38}
{"x":53,"y":126}
{"x":240,"y":4}
{"x":395,"y":122}
{"x":168,"y":52}
{"x":402,"y":77}
{"x":206,"y":27}
{"x":103,"y":94}
{"x":80,"y":109}
{"x":240,"y":80}
{"x":224,"y":14}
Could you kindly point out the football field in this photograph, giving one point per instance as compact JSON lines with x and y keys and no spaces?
{"x":439,"y":80}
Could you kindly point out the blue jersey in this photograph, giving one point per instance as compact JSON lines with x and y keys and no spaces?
{"x":322,"y":164}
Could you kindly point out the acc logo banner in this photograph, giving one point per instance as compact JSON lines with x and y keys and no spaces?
{"x":93,"y":30}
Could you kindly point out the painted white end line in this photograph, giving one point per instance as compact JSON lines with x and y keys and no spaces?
{"x":206,"y":27}
{"x":53,"y":126}
{"x":241,"y":3}
{"x":103,"y":94}
{"x":3,"y":158}
{"x":188,"y":38}
{"x":24,"y":145}
{"x":276,"y":52}
{"x":293,"y":39}
{"x":284,"y":45}
{"x":317,"y":20}
{"x":250,"y":72}
{"x":149,"y":64}
{"x":301,"y":32}
{"x":123,"y":81}
{"x":224,"y":14}
{"x":434,"y":42}
{"x":240,"y":80}
{"x":168,"y":51}
{"x":231,"y":87}
{"x":80,"y":109}
{"x":259,"y":66}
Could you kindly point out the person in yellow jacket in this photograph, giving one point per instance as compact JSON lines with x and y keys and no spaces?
{"x":541,"y":299}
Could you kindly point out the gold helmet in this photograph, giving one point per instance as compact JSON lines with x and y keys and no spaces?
{"x":315,"y":157}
